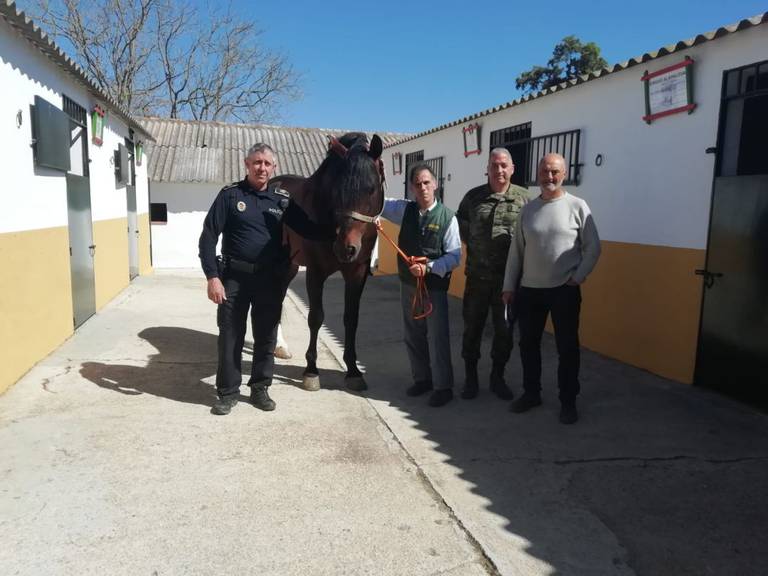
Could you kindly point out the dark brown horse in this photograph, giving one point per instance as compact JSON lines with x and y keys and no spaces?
{"x":344,"y":194}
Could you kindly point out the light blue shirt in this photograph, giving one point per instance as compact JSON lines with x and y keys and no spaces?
{"x":394,"y":209}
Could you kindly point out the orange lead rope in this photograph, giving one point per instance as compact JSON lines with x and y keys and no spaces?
{"x":421,"y":305}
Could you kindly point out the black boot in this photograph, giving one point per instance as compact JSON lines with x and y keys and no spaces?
{"x":498,"y":386}
{"x":420,"y":387}
{"x":470,"y":380}
{"x":260,"y":398}
{"x":440,"y":397}
{"x":224,"y":405}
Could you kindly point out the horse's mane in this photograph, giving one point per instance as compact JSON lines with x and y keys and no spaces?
{"x":355,"y":176}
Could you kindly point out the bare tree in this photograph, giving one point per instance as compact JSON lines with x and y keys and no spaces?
{"x":167,"y":58}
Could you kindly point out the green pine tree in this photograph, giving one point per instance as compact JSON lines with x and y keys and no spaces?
{"x":570,"y":58}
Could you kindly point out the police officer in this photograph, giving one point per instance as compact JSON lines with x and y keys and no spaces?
{"x":251,"y":273}
{"x":486,"y":218}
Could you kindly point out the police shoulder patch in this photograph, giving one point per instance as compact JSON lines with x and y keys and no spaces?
{"x":280,"y":191}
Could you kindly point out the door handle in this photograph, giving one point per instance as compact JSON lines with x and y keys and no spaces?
{"x":92,"y":249}
{"x":709,"y":277}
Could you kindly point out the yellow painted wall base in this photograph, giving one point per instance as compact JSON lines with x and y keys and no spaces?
{"x":145,"y":259}
{"x":111,"y":259}
{"x":35,"y":299}
{"x":641,"y":304}
{"x":387,"y":255}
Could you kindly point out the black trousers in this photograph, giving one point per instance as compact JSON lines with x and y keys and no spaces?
{"x":261,"y":293}
{"x":533,"y":306}
{"x":480,"y":296}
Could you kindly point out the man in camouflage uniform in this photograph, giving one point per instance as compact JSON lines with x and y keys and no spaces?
{"x":486,"y":217}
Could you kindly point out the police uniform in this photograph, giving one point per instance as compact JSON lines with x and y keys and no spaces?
{"x":253,"y":268}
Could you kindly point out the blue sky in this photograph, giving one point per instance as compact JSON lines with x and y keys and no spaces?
{"x":410,"y":66}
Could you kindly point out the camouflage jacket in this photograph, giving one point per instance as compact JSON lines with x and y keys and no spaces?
{"x":487,"y":225}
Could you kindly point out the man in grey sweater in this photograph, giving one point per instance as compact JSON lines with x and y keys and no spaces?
{"x":555,"y":248}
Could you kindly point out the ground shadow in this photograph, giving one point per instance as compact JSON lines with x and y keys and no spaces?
{"x":657,"y":478}
{"x":183,"y":369}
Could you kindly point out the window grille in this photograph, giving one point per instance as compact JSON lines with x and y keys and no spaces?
{"x":75,"y":111}
{"x":526,"y":153}
{"x":743,"y":121}
{"x":747,"y":80}
{"x":411,"y":159}
{"x":500,"y":138}
{"x":507,"y":138}
{"x":78,"y":130}
{"x":436,"y":164}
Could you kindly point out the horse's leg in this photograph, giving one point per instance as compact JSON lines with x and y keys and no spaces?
{"x":315,"y":282}
{"x":354,"y":282}
{"x":281,"y":348}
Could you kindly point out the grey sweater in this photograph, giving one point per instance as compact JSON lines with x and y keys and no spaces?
{"x":555,"y":241}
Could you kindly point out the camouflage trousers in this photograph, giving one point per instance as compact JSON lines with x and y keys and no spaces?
{"x":482,"y":294}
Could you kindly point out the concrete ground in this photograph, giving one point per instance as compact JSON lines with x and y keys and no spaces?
{"x":111,"y":463}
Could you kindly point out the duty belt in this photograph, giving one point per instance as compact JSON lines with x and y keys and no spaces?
{"x":241,"y":265}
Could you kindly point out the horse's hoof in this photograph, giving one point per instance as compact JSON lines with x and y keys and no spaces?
{"x":311,"y":382}
{"x":283,"y":353}
{"x":355,"y":383}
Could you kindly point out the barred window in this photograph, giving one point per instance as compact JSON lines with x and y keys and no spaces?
{"x":526,"y":152}
{"x":411,"y":159}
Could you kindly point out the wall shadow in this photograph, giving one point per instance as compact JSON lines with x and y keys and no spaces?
{"x":657,"y":478}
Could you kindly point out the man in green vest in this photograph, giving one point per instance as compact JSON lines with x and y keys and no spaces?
{"x":486,"y":217}
{"x":427,"y":229}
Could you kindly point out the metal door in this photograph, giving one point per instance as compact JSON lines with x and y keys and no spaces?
{"x":733,"y":336}
{"x":133,"y":223}
{"x":133,"y":233}
{"x":81,"y":247}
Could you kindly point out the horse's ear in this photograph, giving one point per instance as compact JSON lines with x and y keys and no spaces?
{"x":334,"y":145}
{"x":374,"y":151}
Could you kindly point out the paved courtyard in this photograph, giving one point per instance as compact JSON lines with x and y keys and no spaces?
{"x":111,"y":463}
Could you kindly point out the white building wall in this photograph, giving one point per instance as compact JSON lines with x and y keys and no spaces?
{"x":36,"y":197}
{"x":107,"y":200}
{"x":32,"y":198}
{"x":654,"y":185}
{"x":174,"y":245}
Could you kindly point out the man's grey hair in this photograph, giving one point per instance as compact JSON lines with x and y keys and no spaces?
{"x":501,"y":152}
{"x":261,"y":147}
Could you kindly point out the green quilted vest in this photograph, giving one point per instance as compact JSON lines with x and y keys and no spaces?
{"x":423,"y":236}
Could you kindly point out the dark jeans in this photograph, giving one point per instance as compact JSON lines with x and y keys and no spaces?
{"x":533,"y":305}
{"x":263,"y":294}
{"x":481,"y":295}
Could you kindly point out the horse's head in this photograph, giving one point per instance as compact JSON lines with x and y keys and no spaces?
{"x":354,"y":180}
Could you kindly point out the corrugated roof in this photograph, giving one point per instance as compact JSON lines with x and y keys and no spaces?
{"x":205,"y":151}
{"x":647,"y":57}
{"x":24,"y":25}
